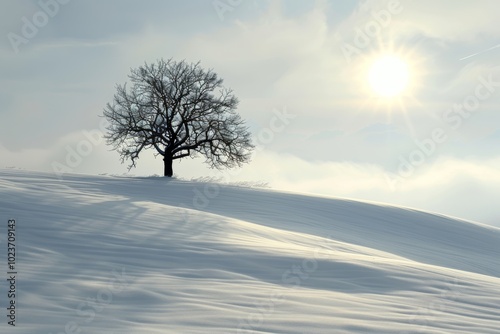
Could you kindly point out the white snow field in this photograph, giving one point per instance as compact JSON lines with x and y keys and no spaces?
{"x":100,"y":254}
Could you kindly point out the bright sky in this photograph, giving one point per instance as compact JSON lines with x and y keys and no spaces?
{"x":389,"y":101}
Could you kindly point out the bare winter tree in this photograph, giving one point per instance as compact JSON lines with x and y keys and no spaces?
{"x":179,"y":110}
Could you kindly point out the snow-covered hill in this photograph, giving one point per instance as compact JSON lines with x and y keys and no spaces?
{"x":151,"y":255}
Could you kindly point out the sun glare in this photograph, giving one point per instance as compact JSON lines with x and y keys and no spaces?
{"x":388,"y":76}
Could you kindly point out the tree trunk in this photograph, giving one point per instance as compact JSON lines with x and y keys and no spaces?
{"x":167,"y":166}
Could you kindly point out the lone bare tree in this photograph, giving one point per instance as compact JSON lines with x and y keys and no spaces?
{"x":180,"y":110}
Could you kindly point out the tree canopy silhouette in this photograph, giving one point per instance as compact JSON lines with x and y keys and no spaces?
{"x":179,"y":110}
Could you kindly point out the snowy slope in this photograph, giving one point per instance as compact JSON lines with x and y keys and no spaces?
{"x":151,"y":255}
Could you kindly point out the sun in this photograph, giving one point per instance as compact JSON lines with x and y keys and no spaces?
{"x":388,"y":76}
{"x":389,"y":79}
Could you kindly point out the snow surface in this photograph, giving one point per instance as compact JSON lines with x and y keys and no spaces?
{"x":152,"y":255}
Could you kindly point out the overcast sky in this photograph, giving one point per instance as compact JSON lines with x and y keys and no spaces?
{"x":300,"y":70}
